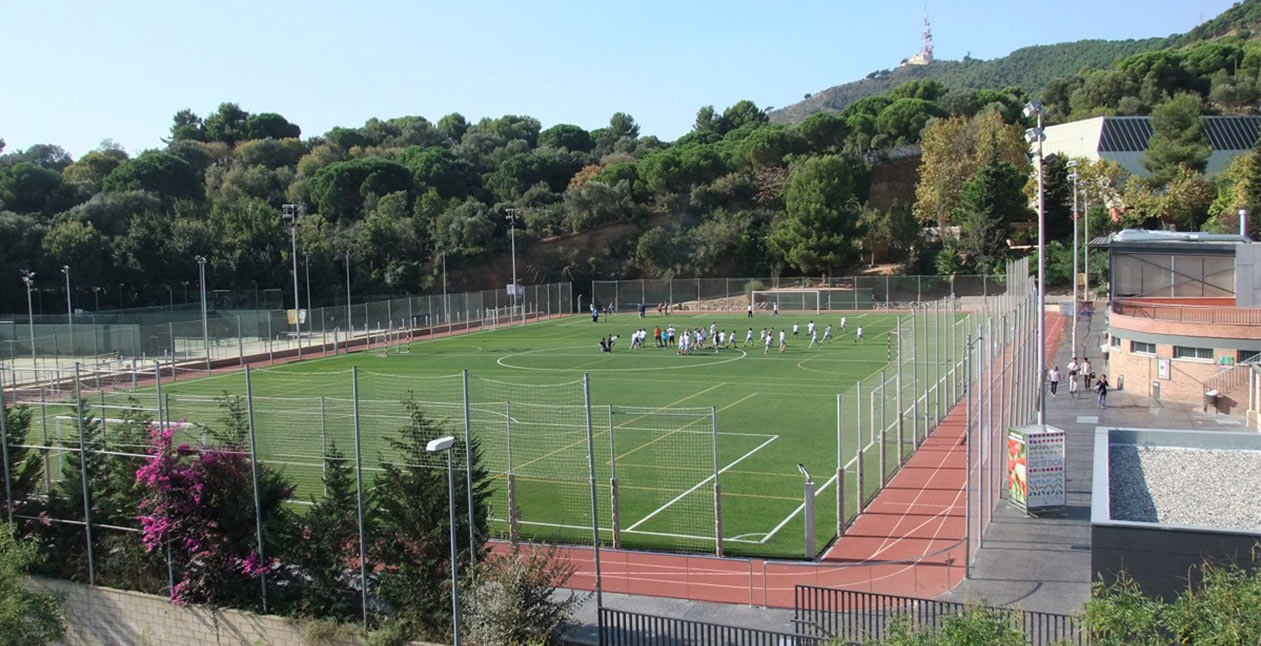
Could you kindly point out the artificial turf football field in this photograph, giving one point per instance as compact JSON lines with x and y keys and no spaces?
{"x":771,"y":412}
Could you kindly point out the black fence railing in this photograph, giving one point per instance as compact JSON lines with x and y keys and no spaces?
{"x":621,"y":628}
{"x":851,"y":616}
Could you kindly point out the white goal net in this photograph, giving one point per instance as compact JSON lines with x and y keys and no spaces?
{"x":788,"y":300}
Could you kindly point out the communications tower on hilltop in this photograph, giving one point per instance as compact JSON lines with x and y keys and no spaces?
{"x":925,"y":55}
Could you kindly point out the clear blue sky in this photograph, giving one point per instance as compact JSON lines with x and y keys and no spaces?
{"x":79,"y":72}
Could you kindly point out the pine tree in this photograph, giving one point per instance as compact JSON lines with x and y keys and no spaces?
{"x":1178,"y":139}
{"x":24,"y":466}
{"x":82,"y":469}
{"x":988,"y":203}
{"x":329,"y":552}
{"x":411,"y":528}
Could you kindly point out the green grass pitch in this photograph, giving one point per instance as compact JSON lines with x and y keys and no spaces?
{"x":772,"y":412}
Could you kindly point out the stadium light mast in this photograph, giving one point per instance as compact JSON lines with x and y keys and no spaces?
{"x":1074,"y":176}
{"x":510,"y":214}
{"x":65,"y":269}
{"x":28,"y":277}
{"x":205,"y":327}
{"x":350,"y":327}
{"x":1035,"y":135}
{"x":290,"y":213}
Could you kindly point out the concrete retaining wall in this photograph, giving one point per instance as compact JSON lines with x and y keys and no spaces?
{"x":99,"y":616}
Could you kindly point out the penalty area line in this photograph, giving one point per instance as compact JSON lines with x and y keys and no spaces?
{"x":699,"y":484}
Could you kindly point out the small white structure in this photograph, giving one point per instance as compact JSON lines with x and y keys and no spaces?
{"x":1124,"y":140}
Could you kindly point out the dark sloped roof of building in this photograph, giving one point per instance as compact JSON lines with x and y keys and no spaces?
{"x":1131,"y":134}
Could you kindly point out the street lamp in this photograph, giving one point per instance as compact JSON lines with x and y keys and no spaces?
{"x":65,"y":269}
{"x":511,"y":214}
{"x":1034,"y":109}
{"x":440,"y":445}
{"x":290,"y":213}
{"x":306,"y":259}
{"x":205,"y":327}
{"x":1074,"y":176}
{"x":28,"y":277}
{"x":96,"y":296}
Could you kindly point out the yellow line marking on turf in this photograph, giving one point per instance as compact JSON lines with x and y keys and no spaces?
{"x":582,"y":441}
{"x":662,"y":437}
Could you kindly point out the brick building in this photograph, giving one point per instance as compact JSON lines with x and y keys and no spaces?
{"x":1184,"y":315}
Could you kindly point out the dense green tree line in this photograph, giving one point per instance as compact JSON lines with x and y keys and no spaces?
{"x":400,"y":193}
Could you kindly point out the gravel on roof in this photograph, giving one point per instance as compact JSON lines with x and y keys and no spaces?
{"x":1220,"y":489}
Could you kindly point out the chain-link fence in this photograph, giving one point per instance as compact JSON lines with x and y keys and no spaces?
{"x":813,"y":294}
{"x":46,"y":348}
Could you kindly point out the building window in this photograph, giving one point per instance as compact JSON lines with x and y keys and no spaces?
{"x":1243,"y":356}
{"x":1183,"y":352}
{"x":1139,"y":347}
{"x":1116,"y":341}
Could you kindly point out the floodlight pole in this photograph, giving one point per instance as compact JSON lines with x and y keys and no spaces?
{"x":205,"y":328}
{"x":1085,"y":287}
{"x":1034,"y":108}
{"x":65,"y":269}
{"x":28,"y":277}
{"x":1074,"y":176}
{"x":350,"y":328}
{"x":511,"y":215}
{"x":290,"y":212}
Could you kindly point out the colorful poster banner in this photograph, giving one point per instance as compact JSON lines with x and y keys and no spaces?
{"x":1035,"y":468}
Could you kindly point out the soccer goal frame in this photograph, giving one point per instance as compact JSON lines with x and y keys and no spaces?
{"x":791,"y":300}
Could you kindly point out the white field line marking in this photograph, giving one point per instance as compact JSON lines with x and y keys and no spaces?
{"x":607,"y":530}
{"x":795,"y":512}
{"x":683,"y":428}
{"x":699,"y":485}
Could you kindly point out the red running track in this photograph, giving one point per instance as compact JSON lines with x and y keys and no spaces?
{"x":909,"y":541}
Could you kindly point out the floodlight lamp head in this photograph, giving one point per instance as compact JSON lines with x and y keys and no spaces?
{"x":201,"y":260}
{"x":1033,"y":108}
{"x":802,"y":468}
{"x":1034,"y":135}
{"x":65,"y":269}
{"x":1072,"y":163}
{"x":439,"y":445}
{"x":1072,"y":177}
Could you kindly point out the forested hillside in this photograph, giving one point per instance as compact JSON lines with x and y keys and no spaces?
{"x":1028,"y":68}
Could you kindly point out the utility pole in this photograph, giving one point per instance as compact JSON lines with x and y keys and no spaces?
{"x":290,"y":213}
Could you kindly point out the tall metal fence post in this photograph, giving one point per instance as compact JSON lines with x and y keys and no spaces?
{"x":897,"y":400}
{"x":713,"y":426}
{"x":615,"y":516}
{"x":840,"y":472}
{"x":4,"y":453}
{"x":258,"y":512}
{"x":83,"y":475}
{"x":363,"y":552}
{"x":271,"y":358}
{"x":162,"y":424}
{"x":468,"y":473}
{"x":240,"y":344}
{"x":323,"y":446}
{"x":858,"y":449}
{"x":595,"y":517}
{"x":512,"y":477}
{"x":884,"y":427}
{"x":915,"y":351}
{"x":967,"y":471}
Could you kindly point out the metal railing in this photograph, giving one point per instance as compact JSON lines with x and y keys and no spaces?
{"x":1187,"y":313}
{"x":852,"y":616}
{"x":1233,"y":378}
{"x":622,"y":628}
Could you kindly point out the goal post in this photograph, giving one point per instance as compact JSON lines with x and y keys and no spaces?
{"x":789,"y":300}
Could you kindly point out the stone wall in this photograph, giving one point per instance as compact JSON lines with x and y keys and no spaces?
{"x":98,"y":616}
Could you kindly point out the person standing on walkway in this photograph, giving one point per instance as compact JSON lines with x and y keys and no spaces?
{"x":1102,"y":389}
{"x":1072,"y":386}
{"x":1055,"y":380}
{"x":1086,"y":374}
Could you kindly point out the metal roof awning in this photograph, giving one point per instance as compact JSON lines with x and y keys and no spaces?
{"x":1138,"y":239}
